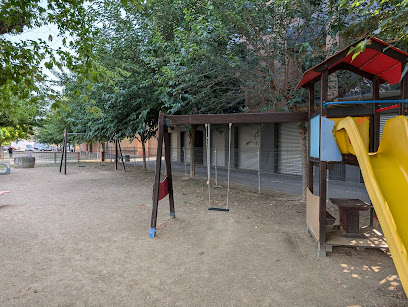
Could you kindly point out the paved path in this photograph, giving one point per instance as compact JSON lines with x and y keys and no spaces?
{"x":276,"y":182}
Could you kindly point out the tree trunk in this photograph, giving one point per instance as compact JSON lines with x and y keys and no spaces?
{"x":143,"y":140}
{"x":103,"y":152}
{"x":305,"y":155}
{"x":191,"y":135}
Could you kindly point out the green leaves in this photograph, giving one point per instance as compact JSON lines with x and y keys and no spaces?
{"x":387,"y":19}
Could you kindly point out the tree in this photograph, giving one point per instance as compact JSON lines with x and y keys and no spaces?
{"x":22,"y":76}
{"x":281,"y":40}
{"x":385,"y":19}
{"x":18,"y":116}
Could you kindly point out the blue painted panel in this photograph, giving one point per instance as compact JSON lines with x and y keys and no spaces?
{"x":329,"y":151}
{"x":314,"y":136}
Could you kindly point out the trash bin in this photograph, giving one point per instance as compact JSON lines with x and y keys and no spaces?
{"x":127,"y":158}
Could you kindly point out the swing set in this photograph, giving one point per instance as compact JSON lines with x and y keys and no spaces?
{"x":118,"y":150}
{"x":161,"y":189}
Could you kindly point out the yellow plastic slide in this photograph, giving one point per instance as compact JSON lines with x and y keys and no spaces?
{"x":385,"y":175}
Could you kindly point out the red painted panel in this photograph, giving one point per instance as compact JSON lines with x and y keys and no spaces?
{"x":163,"y":189}
{"x":393,"y":75}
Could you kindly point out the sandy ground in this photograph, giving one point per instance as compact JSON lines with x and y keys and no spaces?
{"x":82,"y":240}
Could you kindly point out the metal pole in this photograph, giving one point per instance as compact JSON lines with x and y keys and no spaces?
{"x":134,"y":153}
{"x":185,"y":163}
{"x":259,"y":173}
{"x":148,"y":158}
{"x":207,"y":126}
{"x":216,"y":173}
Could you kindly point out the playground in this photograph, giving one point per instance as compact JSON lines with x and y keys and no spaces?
{"x":90,"y":247}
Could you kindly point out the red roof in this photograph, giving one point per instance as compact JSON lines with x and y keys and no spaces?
{"x":379,"y":59}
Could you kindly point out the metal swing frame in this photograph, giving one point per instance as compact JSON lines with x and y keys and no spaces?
{"x":64,"y":152}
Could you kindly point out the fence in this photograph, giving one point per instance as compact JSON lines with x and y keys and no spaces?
{"x":263,"y":170}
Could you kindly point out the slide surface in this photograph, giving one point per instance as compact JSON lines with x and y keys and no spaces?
{"x":385,"y":176}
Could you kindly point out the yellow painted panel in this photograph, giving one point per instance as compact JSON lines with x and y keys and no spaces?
{"x":363,"y":126}
{"x":385,"y":175}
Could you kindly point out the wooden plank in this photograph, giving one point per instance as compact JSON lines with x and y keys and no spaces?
{"x":370,"y":238}
{"x":161,"y":128}
{"x":312,"y":214}
{"x":236,"y":118}
{"x":167,"y":158}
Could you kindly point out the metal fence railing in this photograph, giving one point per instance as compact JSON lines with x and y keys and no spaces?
{"x":262,"y":170}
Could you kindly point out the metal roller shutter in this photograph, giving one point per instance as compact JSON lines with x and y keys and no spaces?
{"x":173,"y":146}
{"x":249,"y":144}
{"x":383,"y":119}
{"x":289,"y":156}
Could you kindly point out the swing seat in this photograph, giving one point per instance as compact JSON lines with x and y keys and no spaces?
{"x":218,"y":209}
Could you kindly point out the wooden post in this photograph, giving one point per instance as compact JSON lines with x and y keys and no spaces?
{"x":324,"y":83}
{"x":161,"y":127}
{"x":375,"y":138}
{"x":191,"y":134}
{"x":404,"y":92}
{"x":167,"y":158}
{"x":62,"y":155}
{"x":310,"y":112}
{"x":375,"y":130}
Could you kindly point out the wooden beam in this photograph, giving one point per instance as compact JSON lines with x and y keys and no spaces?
{"x":236,"y":118}
{"x":345,"y":66}
{"x":334,"y":59}
{"x":161,"y":128}
{"x":387,"y":51}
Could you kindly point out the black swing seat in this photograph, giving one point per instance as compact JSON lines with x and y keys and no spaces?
{"x":218,"y":209}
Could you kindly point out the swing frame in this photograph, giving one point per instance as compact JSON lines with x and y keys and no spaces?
{"x":64,"y":152}
{"x":166,"y":121}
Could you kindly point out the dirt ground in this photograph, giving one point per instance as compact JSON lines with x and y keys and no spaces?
{"x":82,"y":240}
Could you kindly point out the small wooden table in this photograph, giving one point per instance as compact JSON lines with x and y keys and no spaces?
{"x":350,"y":214}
